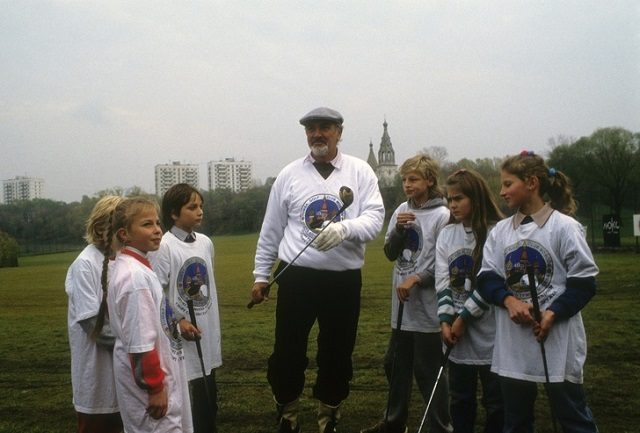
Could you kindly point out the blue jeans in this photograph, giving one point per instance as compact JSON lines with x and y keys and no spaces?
{"x":419,"y":354}
{"x":568,"y":406}
{"x":463,"y":382}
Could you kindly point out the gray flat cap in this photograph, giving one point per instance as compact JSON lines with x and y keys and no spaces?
{"x":322,"y":113}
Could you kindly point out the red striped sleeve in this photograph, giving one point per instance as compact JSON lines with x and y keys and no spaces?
{"x":147,"y":371}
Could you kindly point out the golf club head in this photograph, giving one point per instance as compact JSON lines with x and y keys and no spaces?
{"x":346,"y":195}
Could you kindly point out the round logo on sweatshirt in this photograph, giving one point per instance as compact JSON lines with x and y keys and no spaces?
{"x":524,"y":259}
{"x":411,"y":249}
{"x":460,"y":276}
{"x":318,"y":211}
{"x":169,"y":326}
{"x":193,"y":282}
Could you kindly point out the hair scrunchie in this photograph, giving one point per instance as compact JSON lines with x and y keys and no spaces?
{"x":527,"y":153}
{"x":552,"y":172}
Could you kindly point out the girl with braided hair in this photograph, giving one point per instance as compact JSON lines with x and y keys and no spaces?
{"x":94,"y":394}
{"x":539,"y":257}
{"x":149,"y":373}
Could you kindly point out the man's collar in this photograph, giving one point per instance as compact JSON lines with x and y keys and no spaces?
{"x":540,"y":218}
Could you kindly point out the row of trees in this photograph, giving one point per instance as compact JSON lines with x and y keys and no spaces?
{"x":604,"y":168}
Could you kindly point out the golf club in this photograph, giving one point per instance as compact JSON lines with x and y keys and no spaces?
{"x":435,"y":385}
{"x":393,"y":360}
{"x":346,"y":195}
{"x":538,"y":316}
{"x":192,"y":316}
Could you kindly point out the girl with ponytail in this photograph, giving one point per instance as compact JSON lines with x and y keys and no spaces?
{"x":539,"y":254}
{"x":90,"y":338}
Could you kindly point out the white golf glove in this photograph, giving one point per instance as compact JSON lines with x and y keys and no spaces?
{"x":331,"y":237}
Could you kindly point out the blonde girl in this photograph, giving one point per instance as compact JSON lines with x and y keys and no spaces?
{"x":150,"y":377}
{"x":466,"y":321}
{"x":94,"y":394}
{"x":543,"y":239}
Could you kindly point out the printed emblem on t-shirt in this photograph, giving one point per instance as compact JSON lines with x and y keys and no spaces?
{"x":170,"y":327}
{"x":460,"y":275}
{"x":193,"y":283}
{"x":317,"y":212}
{"x":413,"y":240}
{"x":522,"y":257}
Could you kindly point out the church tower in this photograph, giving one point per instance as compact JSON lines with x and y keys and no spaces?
{"x":371,"y":159}
{"x":387,"y":168}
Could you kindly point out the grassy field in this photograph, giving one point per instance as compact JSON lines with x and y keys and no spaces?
{"x":35,"y":385}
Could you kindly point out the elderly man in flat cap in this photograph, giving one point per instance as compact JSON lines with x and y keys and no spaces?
{"x":323,"y":284}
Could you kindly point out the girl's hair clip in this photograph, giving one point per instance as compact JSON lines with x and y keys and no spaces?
{"x":552,"y":172}
{"x":527,"y":153}
{"x":460,"y":171}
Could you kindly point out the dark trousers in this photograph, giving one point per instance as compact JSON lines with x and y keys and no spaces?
{"x":416,"y":354}
{"x":333,"y":300}
{"x":463,"y":386}
{"x":567,"y":399}
{"x":99,"y":422}
{"x":203,"y":411}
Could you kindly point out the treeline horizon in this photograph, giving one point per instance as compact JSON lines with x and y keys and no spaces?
{"x":603,"y":169}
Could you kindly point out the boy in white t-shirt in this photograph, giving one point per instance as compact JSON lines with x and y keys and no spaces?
{"x":184,"y":265}
{"x":415,"y":347}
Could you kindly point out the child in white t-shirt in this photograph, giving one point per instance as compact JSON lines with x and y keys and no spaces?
{"x":148,"y":360}
{"x":467,"y":322}
{"x":184,"y":265}
{"x":94,"y":392}
{"x":415,"y":347}
{"x":540,"y":247}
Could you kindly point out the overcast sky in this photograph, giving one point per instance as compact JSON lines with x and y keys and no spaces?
{"x":94,"y":94}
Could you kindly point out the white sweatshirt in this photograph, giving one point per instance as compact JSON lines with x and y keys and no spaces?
{"x":301,"y":199}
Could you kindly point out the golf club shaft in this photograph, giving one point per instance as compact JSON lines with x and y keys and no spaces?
{"x":538,"y":316}
{"x":265,"y":291}
{"x":392,"y":375}
{"x":435,"y":386}
{"x":192,"y":316}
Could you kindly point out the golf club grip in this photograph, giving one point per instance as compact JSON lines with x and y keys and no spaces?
{"x":446,"y":354}
{"x":534,"y":293}
{"x":266,"y":289}
{"x":192,"y":316}
{"x":400,"y":314}
{"x":265,"y":292}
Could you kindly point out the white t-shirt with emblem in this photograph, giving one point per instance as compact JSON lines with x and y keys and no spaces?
{"x":138,"y":312}
{"x":419,"y":255}
{"x":186,"y":270}
{"x":91,"y":365}
{"x":556,"y":251}
{"x":301,"y":200}
{"x":454,"y":268}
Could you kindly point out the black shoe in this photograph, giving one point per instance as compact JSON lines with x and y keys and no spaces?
{"x":285,"y":427}
{"x":331,"y":427}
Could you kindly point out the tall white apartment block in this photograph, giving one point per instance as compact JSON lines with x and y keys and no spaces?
{"x":230,"y":174}
{"x":168,"y":175}
{"x":22,"y":188}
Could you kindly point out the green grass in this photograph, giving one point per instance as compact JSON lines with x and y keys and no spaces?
{"x":34,"y":357}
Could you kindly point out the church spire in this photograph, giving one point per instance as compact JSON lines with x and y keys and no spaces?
{"x":386,"y":155}
{"x":371,"y":159}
